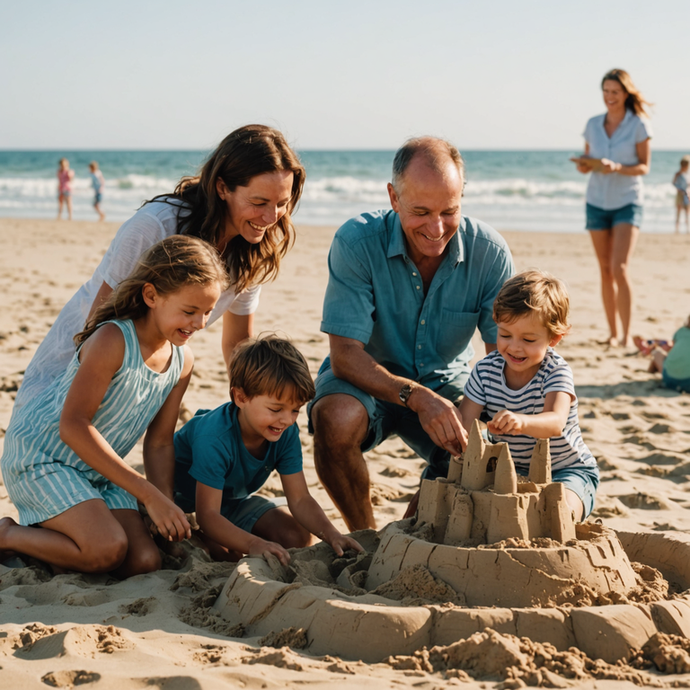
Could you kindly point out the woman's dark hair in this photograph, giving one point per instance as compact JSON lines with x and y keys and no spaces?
{"x":245,"y":153}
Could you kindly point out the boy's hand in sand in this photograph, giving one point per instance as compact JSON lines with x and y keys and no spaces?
{"x":341,"y":543}
{"x":260,"y":548}
{"x":506,"y":423}
{"x":170,"y":521}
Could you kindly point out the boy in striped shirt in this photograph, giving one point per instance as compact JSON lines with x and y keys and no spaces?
{"x":525,"y":390}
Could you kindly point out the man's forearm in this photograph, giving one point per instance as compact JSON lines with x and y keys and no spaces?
{"x":352,"y":364}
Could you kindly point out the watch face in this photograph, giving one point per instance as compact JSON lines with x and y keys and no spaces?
{"x":405,"y":393}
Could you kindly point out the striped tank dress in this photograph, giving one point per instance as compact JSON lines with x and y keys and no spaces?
{"x":43,"y":476}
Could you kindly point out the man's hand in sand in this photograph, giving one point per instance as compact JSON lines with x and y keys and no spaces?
{"x":507,"y":423}
{"x":260,"y":548}
{"x":440,"y":418}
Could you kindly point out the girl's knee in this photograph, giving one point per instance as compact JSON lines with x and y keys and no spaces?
{"x":108,"y":554}
{"x":144,"y":560}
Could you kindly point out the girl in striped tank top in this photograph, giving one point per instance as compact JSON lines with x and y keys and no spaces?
{"x":63,"y":455}
{"x":525,"y":390}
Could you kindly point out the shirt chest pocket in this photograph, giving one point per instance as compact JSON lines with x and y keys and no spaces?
{"x":456,"y":331}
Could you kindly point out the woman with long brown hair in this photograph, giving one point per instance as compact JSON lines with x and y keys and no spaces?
{"x":241,"y":203}
{"x":617,"y":154}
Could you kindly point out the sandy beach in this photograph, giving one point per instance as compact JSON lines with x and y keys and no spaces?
{"x":157,"y":630}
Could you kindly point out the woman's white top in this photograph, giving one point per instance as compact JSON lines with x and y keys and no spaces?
{"x":151,"y":224}
{"x":614,"y":191}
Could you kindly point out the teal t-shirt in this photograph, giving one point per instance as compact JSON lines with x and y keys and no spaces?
{"x":677,"y":362}
{"x":209,"y":449}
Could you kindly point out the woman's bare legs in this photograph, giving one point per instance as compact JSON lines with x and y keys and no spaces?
{"x":87,"y":537}
{"x":602,"y":240}
{"x":614,"y":249}
{"x":623,"y":245}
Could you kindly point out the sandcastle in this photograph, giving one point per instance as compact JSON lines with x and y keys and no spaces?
{"x":483,"y":503}
{"x":486,"y":550}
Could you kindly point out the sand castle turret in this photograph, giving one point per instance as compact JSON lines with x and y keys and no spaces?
{"x":483,"y":500}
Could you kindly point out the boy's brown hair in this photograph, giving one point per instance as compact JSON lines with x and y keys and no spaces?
{"x":534,"y":292}
{"x":270,"y":365}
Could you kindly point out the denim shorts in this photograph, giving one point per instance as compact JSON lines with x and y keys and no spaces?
{"x":601,"y":219}
{"x":582,"y":480}
{"x":388,"y":419}
{"x":680,"y":385}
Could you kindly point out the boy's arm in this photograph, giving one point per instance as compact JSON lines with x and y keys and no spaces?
{"x":546,"y":424}
{"x":221,"y":530}
{"x":469,"y":411}
{"x":310,"y":515}
{"x":159,"y":449}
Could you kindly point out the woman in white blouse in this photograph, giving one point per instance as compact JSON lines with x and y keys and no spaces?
{"x":241,"y":203}
{"x":618,"y":142}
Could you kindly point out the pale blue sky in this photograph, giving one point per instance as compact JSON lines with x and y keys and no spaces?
{"x":357,"y":74}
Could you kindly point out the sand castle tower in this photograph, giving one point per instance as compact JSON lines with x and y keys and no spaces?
{"x":483,"y":501}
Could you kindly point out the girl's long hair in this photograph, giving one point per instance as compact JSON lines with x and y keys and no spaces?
{"x":635,"y":100}
{"x":169,"y":265}
{"x":245,"y":153}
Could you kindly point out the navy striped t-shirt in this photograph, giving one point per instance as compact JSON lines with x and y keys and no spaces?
{"x":487,"y":386}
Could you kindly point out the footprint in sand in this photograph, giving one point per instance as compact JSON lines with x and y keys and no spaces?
{"x":88,"y":598}
{"x":660,"y":428}
{"x":139,"y":607}
{"x":68,"y":679}
{"x":380,"y":494}
{"x":644,"y":501}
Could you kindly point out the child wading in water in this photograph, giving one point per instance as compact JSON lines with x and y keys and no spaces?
{"x":62,"y":462}
{"x":223,"y":456}
{"x":98,"y":183}
{"x":526,"y":389}
{"x":65,"y":177}
{"x":680,"y":182}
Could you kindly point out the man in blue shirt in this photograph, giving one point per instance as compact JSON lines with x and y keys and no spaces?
{"x":406,"y":290}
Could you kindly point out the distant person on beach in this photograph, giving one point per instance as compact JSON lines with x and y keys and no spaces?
{"x":65,"y":176}
{"x":526,"y":389}
{"x":618,"y":142}
{"x":670,"y":359}
{"x":680,"y":182}
{"x":223,"y":456}
{"x":241,"y":203}
{"x":407,"y":289}
{"x":98,"y":183}
{"x":62,"y":461}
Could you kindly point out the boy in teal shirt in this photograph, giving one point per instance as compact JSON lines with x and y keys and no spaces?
{"x":223,"y":456}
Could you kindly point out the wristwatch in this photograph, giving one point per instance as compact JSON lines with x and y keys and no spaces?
{"x":405,"y":393}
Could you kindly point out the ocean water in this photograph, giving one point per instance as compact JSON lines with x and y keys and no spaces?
{"x":511,"y":190}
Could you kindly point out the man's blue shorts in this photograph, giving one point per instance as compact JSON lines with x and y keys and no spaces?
{"x":601,"y":219}
{"x":388,"y":419}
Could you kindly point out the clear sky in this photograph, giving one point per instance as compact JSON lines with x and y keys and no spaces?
{"x":359,"y":74}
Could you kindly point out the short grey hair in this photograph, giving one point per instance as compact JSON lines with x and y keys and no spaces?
{"x":435,"y":151}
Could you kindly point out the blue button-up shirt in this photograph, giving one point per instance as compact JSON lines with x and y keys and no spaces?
{"x":375,"y":295}
{"x":615,"y":191}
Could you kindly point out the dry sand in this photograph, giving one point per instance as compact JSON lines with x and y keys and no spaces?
{"x":71,"y":629}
